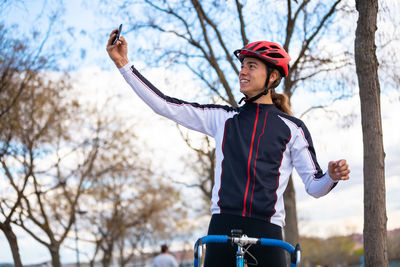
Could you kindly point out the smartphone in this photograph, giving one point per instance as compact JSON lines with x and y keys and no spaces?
{"x":118,"y":34}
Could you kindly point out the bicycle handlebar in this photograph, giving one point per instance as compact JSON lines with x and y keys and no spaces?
{"x":295,"y":252}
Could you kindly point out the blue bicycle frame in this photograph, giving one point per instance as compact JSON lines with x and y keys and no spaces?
{"x":243,"y":240}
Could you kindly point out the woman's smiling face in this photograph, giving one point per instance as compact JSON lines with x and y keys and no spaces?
{"x":252,"y":76}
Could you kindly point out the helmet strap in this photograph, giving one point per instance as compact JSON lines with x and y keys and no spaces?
{"x":265,"y":92}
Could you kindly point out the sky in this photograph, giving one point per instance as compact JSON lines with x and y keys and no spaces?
{"x":335,"y":137}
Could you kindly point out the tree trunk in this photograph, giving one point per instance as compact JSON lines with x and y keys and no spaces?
{"x":96,"y":250}
{"x":107,"y":257}
{"x":375,"y":238}
{"x":291,"y":230}
{"x":55,"y":256}
{"x":12,"y":241}
{"x":106,"y":260}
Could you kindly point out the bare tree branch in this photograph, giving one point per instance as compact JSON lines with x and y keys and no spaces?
{"x":239,"y":7}
{"x":307,"y":41}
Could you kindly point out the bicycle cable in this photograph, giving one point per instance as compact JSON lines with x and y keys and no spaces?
{"x":251,"y":255}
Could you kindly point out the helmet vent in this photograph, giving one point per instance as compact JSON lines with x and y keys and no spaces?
{"x":274,"y":46}
{"x":263,"y":48}
{"x":275,"y":55}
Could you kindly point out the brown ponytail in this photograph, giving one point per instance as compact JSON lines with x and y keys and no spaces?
{"x":281,"y":101}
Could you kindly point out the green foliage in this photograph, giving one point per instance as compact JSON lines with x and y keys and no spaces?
{"x":333,"y":251}
{"x":338,"y":250}
{"x":394,"y":245}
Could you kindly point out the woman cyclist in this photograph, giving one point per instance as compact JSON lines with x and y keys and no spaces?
{"x":257,"y":146}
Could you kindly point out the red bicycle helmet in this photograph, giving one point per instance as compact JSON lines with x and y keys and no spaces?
{"x":270,"y":52}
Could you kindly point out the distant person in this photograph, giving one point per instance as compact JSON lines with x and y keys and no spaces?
{"x":165,"y":259}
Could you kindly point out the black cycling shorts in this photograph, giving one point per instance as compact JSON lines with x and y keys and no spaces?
{"x":223,"y":255}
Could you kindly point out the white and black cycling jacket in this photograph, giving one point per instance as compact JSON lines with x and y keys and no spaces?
{"x":257,"y":146}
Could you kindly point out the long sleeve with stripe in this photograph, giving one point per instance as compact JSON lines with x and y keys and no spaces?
{"x":202,"y":118}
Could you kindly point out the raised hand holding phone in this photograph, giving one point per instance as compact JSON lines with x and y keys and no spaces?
{"x":118,"y":51}
{"x":118,"y":34}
